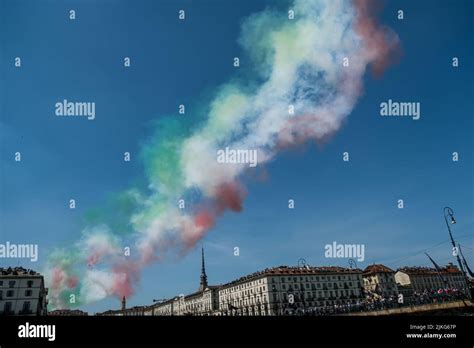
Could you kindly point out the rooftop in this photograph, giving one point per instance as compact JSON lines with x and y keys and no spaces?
{"x":377,"y":268}
{"x":17,"y":271}
{"x":450,"y":268}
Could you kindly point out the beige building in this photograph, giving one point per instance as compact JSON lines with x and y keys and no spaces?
{"x":422,"y":278}
{"x":204,"y":302}
{"x":162,"y":308}
{"x":22,"y":292}
{"x":380,"y":280}
{"x":282,"y":290}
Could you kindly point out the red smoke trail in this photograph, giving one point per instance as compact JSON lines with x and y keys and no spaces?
{"x":72,"y":282}
{"x":125,"y":275}
{"x":204,"y":219}
{"x":61,"y":278}
{"x":58,"y":276}
{"x":227,"y":196}
{"x":380,"y":41}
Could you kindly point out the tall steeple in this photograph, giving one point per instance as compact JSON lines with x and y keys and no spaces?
{"x":203,"y":283}
{"x":124,"y":304}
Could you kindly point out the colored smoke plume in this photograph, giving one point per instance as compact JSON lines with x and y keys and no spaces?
{"x":300,"y":62}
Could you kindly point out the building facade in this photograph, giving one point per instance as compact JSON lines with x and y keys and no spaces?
{"x":424,"y":278}
{"x":22,"y":292}
{"x":380,"y":280}
{"x":285,"y":290}
{"x":162,"y":308}
{"x":204,"y":302}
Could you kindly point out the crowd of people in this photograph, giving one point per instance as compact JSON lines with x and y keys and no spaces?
{"x":375,"y":302}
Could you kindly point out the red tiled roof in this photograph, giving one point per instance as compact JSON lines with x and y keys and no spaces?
{"x":429,"y":271}
{"x":377,"y":268}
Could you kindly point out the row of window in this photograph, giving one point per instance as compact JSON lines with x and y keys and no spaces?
{"x":305,"y":296}
{"x":294,"y":279}
{"x":243,"y":286}
{"x":12,"y":283}
{"x":290,"y":286}
{"x":25,"y":309}
{"x":318,"y":285}
{"x":380,"y":280}
{"x":10,"y":293}
{"x":317,"y":278}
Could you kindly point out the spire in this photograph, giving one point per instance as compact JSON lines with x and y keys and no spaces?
{"x":203,"y":283}
{"x":124,"y":305}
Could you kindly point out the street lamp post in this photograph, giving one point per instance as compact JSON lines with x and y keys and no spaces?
{"x":448,"y":212}
{"x":161,"y":300}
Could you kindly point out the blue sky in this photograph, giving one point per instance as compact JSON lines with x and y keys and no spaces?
{"x":175,"y":62}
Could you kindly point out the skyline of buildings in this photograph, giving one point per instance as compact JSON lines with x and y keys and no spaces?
{"x":281,"y":290}
{"x":286,"y":290}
